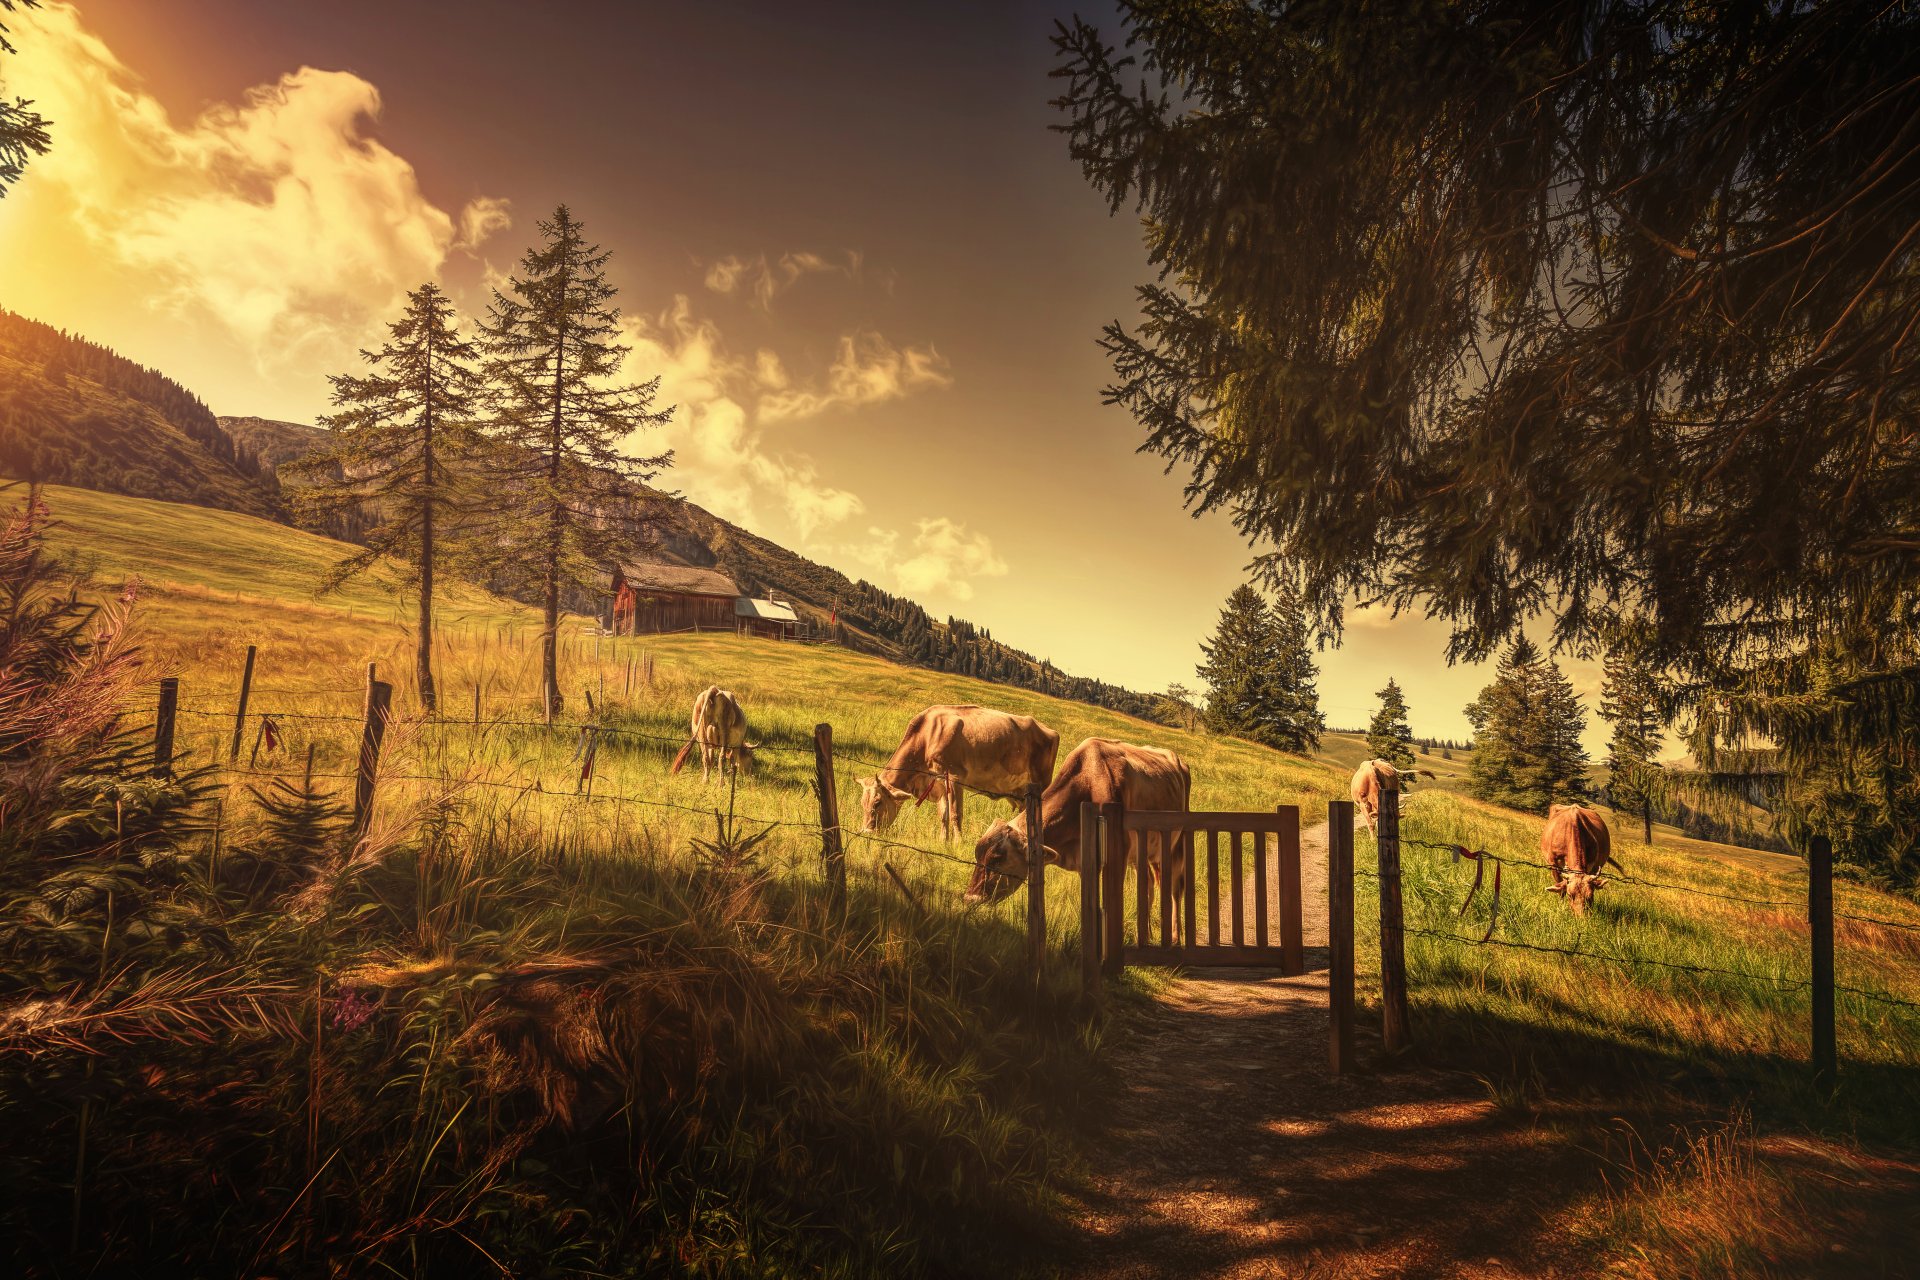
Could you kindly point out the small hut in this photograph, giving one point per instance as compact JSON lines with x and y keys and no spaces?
{"x":651,"y":598}
{"x":769,"y":618}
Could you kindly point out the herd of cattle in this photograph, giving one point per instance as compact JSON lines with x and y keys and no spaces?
{"x":947,"y":751}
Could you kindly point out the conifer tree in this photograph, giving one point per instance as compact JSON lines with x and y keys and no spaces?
{"x":1259,"y":674}
{"x":1527,"y":725}
{"x":1390,"y":737}
{"x":1630,"y":701}
{"x":23,"y":131}
{"x":401,"y":434}
{"x":553,"y":340}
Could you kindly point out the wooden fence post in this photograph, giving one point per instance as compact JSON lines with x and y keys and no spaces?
{"x":830,"y":847}
{"x":1036,"y":891}
{"x":1820,"y":918}
{"x":1340,"y":936}
{"x":163,"y":721}
{"x":1113,"y":878}
{"x":240,"y":708}
{"x":1090,"y":897}
{"x":372,"y":733}
{"x":1393,"y":956}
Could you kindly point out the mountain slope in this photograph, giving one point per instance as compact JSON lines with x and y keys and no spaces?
{"x":74,"y":412}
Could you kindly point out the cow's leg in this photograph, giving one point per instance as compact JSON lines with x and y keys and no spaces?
{"x":958,"y":794}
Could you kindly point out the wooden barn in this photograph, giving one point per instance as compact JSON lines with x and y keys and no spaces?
{"x":652,"y":598}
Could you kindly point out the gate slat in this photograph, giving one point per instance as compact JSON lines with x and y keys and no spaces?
{"x":1239,"y":894}
{"x":1143,"y":891}
{"x":1167,"y":859}
{"x":1213,"y":888}
{"x":1260,"y":889}
{"x":1192,"y":889}
{"x":1292,"y":951}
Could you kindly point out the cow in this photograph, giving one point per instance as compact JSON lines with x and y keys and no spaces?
{"x":1369,"y":780}
{"x":720,"y":731}
{"x":1102,"y":771}
{"x":946,"y":748}
{"x":1577,"y":845}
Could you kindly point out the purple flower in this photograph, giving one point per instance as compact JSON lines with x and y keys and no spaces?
{"x":352,"y":1010}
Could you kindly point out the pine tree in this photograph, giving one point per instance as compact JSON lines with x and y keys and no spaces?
{"x":1259,"y":674}
{"x":1527,"y":726}
{"x":552,"y":338}
{"x":400,"y":435}
{"x":1630,"y":701}
{"x":23,"y":131}
{"x":1390,"y":737}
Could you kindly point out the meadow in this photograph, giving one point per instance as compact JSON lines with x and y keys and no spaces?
{"x":627,"y":1000}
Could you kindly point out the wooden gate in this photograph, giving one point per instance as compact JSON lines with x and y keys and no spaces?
{"x":1237,"y":901}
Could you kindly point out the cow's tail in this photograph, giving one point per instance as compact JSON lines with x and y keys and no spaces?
{"x":681,"y":759}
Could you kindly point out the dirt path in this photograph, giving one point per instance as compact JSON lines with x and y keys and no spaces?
{"x":1232,"y":1153}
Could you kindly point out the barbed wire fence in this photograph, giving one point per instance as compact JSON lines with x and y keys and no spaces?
{"x":1820,"y":915}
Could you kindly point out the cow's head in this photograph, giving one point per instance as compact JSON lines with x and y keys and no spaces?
{"x":999,"y":863}
{"x":1579,"y":888}
{"x":743,"y":755}
{"x":880,"y":803}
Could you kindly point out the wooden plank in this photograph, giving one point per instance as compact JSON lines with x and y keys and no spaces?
{"x":240,"y":705}
{"x":1394,"y":1026}
{"x":1290,"y":906}
{"x":1113,"y":879}
{"x":1168,"y":855}
{"x":1036,"y":890}
{"x":1820,"y":918}
{"x":1191,"y":896}
{"x":1202,"y":820}
{"x":1090,"y":897}
{"x":163,"y":723}
{"x":1340,"y":936}
{"x":1142,"y":888}
{"x":1213,"y":886}
{"x":1239,"y":893}
{"x":832,"y":853}
{"x":1260,"y":889}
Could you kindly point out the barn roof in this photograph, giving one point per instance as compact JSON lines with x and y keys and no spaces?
{"x":678,"y":578}
{"x":767,"y":610}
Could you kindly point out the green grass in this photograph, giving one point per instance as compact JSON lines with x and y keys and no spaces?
{"x":914,"y":1020}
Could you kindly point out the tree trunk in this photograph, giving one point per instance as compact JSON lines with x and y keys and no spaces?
{"x":423,"y":658}
{"x":550,"y":627}
{"x":1646,"y":817}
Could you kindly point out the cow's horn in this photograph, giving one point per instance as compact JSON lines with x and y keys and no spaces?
{"x":751,"y":746}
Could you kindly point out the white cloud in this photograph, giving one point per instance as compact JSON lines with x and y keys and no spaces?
{"x":943,"y":558}
{"x":277,"y":218}
{"x":761,"y":279}
{"x":866,"y":369}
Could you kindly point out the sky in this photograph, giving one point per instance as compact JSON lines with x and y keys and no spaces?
{"x":845,"y":238}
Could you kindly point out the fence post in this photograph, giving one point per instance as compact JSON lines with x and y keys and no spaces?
{"x":1113,"y":883}
{"x":163,"y":720}
{"x":1393,"y":956}
{"x":372,"y":734}
{"x":1090,"y":897}
{"x":1820,"y":918}
{"x":1340,"y":936}
{"x":240,"y":708}
{"x":830,"y":848}
{"x":1036,"y":891}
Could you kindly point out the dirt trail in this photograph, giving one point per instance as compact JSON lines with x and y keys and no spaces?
{"x":1232,"y":1152}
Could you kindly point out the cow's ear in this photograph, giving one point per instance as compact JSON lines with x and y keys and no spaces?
{"x":1599,"y":882}
{"x":896,"y":792}
{"x":1557,"y":888}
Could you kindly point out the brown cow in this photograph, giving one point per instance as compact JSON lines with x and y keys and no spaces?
{"x":1577,"y":845}
{"x":948,"y":747}
{"x":1369,"y":780}
{"x":720,"y":731}
{"x":1102,"y":771}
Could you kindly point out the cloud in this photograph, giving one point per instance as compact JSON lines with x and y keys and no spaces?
{"x":760,"y":279}
{"x":278,"y":217}
{"x":866,"y":370}
{"x":943,"y":558}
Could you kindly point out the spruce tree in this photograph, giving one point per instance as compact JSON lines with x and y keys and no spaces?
{"x":1527,"y":726}
{"x":1390,"y":737}
{"x":572,"y":495}
{"x":1259,"y":674}
{"x":1630,"y":701}
{"x":23,"y":131}
{"x":401,"y":435}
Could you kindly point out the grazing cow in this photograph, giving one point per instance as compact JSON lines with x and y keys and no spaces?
{"x":720,"y":731}
{"x":1369,"y":780}
{"x":1103,"y":771}
{"x":1577,"y":845}
{"x":946,"y":748}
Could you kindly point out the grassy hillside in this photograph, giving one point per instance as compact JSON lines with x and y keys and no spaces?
{"x":73,"y":412}
{"x":916,"y":1103}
